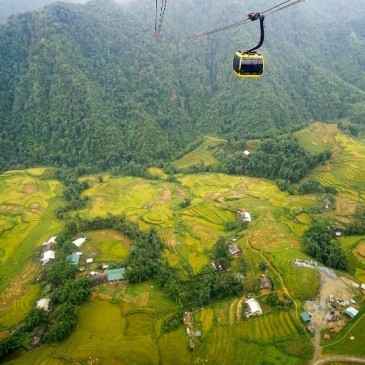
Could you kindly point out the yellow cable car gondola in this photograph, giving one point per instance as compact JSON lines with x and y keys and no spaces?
{"x":250,"y":64}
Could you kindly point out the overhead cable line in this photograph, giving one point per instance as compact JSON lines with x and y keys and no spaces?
{"x":266,"y":12}
{"x":162,"y":13}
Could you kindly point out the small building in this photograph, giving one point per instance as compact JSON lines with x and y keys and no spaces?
{"x":362,"y":286}
{"x":43,"y":303}
{"x":351,"y":312}
{"x":306,"y":317}
{"x":48,"y":246}
{"x":188,"y":318}
{"x":115,"y":274}
{"x":78,"y":242}
{"x":254,"y":307}
{"x":337,"y":231}
{"x":217,"y":265}
{"x":246,"y":152}
{"x":198,"y":334}
{"x":48,"y":256}
{"x":42,"y":276}
{"x":73,"y":259}
{"x":326,"y":202}
{"x":89,"y":261}
{"x":265,"y":283}
{"x":245,"y":216}
{"x":234,"y":250}
{"x":99,"y":278}
{"x":38,"y":334}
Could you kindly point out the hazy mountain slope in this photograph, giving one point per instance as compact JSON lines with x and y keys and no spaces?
{"x":88,"y":84}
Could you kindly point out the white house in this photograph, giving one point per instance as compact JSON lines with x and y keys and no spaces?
{"x":79,"y":241}
{"x":43,"y":303}
{"x":89,"y":261}
{"x":254,"y":307}
{"x":48,"y":256}
{"x":246,"y":152}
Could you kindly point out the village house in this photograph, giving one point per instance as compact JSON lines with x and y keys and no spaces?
{"x":73,"y":259}
{"x":306,"y":317}
{"x":43,"y":303}
{"x":254,"y":308}
{"x":217,"y":265}
{"x":78,"y":242}
{"x":326,"y":202}
{"x":265,"y":283}
{"x":234,"y":250}
{"x":115,"y":274}
{"x":97,"y":279}
{"x":188,"y":318}
{"x":351,"y":312}
{"x":48,"y":256}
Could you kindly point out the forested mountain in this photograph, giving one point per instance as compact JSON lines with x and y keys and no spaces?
{"x":8,"y":7}
{"x":88,"y":85}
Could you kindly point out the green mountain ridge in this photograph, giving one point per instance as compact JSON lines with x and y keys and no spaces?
{"x":88,"y":86}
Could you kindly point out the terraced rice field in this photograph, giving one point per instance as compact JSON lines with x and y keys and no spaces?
{"x":318,"y":137}
{"x":347,"y":169}
{"x":114,"y":334}
{"x":26,"y":211}
{"x":200,"y":155}
{"x":252,"y":340}
{"x":129,"y":331}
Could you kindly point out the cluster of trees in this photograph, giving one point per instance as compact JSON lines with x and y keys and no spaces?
{"x":144,"y":260}
{"x":35,"y":318}
{"x":278,"y":158}
{"x":357,"y":224}
{"x":197,"y":290}
{"x":314,"y":186}
{"x":319,"y":243}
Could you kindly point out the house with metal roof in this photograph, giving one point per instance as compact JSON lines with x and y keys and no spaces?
{"x":73,"y":259}
{"x":306,"y":318}
{"x":115,"y":274}
{"x":351,"y":312}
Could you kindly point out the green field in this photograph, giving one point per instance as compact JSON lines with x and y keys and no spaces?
{"x":200,"y":155}
{"x":27,"y":216}
{"x":122,"y":324}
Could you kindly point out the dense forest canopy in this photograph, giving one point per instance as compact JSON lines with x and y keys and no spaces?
{"x":88,"y":85}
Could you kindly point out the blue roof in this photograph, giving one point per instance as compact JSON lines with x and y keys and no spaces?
{"x":115,"y":274}
{"x":351,"y":311}
{"x":305,"y":317}
{"x":73,"y":259}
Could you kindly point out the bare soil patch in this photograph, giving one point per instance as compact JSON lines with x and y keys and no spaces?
{"x":30,"y":188}
{"x":164,"y":197}
{"x":36,"y":206}
{"x":345,"y":206}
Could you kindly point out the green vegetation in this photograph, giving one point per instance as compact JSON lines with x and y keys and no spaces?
{"x":95,"y":111}
{"x":319,"y":243}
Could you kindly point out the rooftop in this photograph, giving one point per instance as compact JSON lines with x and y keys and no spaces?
{"x":115,"y":274}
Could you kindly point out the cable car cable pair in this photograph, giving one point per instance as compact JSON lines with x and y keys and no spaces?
{"x":250,"y":64}
{"x":160,"y":18}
